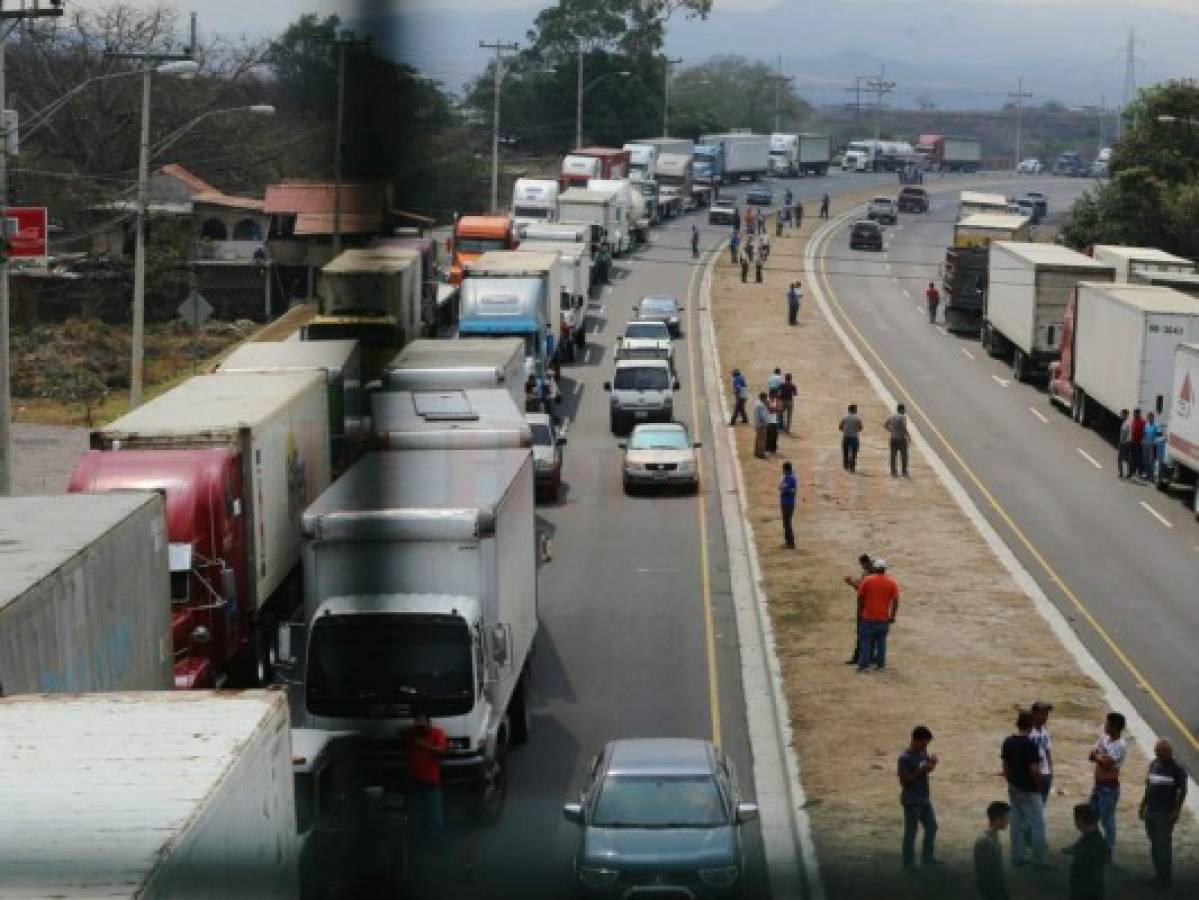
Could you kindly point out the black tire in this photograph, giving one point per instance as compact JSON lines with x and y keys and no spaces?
{"x":491,"y":791}
{"x":1162,"y":482}
{"x":1084,"y":408}
{"x":1019,"y":365}
{"x":518,"y":712}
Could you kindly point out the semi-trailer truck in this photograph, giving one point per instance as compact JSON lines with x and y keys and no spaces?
{"x":1180,"y":461}
{"x":585,"y":163}
{"x":151,"y":795}
{"x":448,"y":420}
{"x":420,"y":580}
{"x":475,"y":235}
{"x":947,"y":153}
{"x":534,"y":200}
{"x":464,"y":363}
{"x":800,"y":154}
{"x":746,"y":155}
{"x":634,"y":206}
{"x":83,"y":594}
{"x":1029,"y":288}
{"x":1118,"y":347}
{"x":708,"y":162}
{"x":238,"y":457}
{"x":574,"y":276}
{"x":676,"y":175}
{"x":601,"y":211}
{"x":643,"y":161}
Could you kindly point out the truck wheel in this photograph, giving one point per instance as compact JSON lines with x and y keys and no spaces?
{"x":518,"y":712}
{"x":1082,"y":414}
{"x":1163,"y":478}
{"x":491,"y":791}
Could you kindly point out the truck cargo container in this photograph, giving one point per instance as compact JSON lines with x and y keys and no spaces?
{"x":574,"y":274}
{"x":945,"y":153}
{"x":784,"y":155}
{"x":83,"y":594}
{"x":1180,"y":460}
{"x":534,"y":200}
{"x":982,"y":229}
{"x":677,"y":146}
{"x":462,"y":363}
{"x":1185,"y":282}
{"x":964,"y":281}
{"x":371,"y":295}
{"x":420,"y":580}
{"x":239,"y":456}
{"x":1141,"y":259}
{"x":585,"y":163}
{"x":151,"y":795}
{"x":430,"y":270}
{"x":815,"y":153}
{"x":635,"y":223}
{"x":1029,"y":288}
{"x":448,"y":420}
{"x":475,"y":235}
{"x":602,"y":211}
{"x":338,"y":360}
{"x":746,"y":155}
{"x":1118,"y":346}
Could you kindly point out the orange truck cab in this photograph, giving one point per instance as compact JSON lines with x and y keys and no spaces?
{"x":476,"y":235}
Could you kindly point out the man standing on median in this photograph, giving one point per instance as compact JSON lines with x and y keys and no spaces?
{"x":878,"y":604}
{"x":740,"y":396}
{"x":989,"y":877}
{"x":915,"y":765}
{"x":851,"y":427}
{"x":1165,"y":791}
{"x":788,"y":486}
{"x":1108,"y":756}
{"x":1022,"y":769}
{"x":1040,"y":737}
{"x":897,"y":426}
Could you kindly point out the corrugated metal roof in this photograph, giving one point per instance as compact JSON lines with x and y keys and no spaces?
{"x":1052,"y":255}
{"x":98,"y":788}
{"x":1150,"y":297}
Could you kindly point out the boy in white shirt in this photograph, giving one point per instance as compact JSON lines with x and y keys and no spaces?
{"x":1108,"y":755}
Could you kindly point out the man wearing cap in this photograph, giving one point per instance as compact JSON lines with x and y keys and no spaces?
{"x":1040,"y":737}
{"x":878,"y":603}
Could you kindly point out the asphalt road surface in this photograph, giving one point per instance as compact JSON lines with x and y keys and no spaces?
{"x":1125,"y":552}
{"x":623,"y":647}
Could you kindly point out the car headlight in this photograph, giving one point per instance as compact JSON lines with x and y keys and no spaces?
{"x":723,"y":877}
{"x":634,"y":467}
{"x":594,"y":877}
{"x":687,"y":465}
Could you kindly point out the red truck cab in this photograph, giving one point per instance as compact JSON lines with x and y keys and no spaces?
{"x":205,"y":529}
{"x":605,"y":163}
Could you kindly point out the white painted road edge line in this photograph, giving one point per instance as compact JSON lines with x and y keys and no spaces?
{"x":791,"y":866}
{"x":1115,"y":697}
{"x":1040,"y":415}
{"x":1092,"y":460}
{"x":1153,"y":512}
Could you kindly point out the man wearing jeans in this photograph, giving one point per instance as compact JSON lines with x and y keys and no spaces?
{"x":878,"y":603}
{"x":425,"y":745}
{"x":1108,"y":756}
{"x":851,"y":427}
{"x":897,"y":427}
{"x":913,"y":768}
{"x":1022,"y":769}
{"x":1165,"y":792}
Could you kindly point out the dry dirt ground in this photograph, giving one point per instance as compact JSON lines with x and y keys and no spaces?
{"x":967,"y":651}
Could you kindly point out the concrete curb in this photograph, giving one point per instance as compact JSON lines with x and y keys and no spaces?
{"x":792,"y":866}
{"x":1116,"y":698}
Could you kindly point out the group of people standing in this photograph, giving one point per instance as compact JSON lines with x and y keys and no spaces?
{"x":1140,"y":445}
{"x":1028,"y":766}
{"x":773,"y":412}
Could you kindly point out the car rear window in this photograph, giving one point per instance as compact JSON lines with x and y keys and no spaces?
{"x":657,"y":306}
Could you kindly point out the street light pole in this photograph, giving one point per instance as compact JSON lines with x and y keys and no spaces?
{"x":666,"y":97}
{"x":139,"y":247}
{"x":499,"y":47}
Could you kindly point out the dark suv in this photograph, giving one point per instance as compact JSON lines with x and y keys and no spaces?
{"x":866,"y":235}
{"x":912,"y":200}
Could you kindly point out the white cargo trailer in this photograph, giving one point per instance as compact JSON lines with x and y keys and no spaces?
{"x":279,"y":424}
{"x":1180,"y":463}
{"x":634,"y":220}
{"x":1030,"y":286}
{"x":746,"y":155}
{"x":1150,"y":259}
{"x":603,"y":210}
{"x":1124,"y":341}
{"x":815,"y":153}
{"x":154,"y":796}
{"x":448,"y":420}
{"x":462,"y":363}
{"x":84,"y":594}
{"x":574,"y":273}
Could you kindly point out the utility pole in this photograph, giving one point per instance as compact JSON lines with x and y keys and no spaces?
{"x":1018,"y":97}
{"x":26,"y":11}
{"x":881,"y":87}
{"x":666,"y":96}
{"x":857,"y":98}
{"x":1130,"y":77}
{"x":342,"y":43}
{"x":148,"y":61}
{"x":499,"y":47}
{"x":779,"y":80}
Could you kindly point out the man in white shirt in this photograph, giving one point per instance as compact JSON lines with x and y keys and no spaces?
{"x":1108,"y":755}
{"x":1040,"y":737}
{"x":775,"y":381}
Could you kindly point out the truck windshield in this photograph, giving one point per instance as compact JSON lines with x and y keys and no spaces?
{"x":531,"y":212}
{"x":635,"y":378}
{"x":479,"y":245}
{"x":381,"y":666}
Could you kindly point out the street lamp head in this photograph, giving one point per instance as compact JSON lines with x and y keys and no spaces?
{"x":181,"y":68}
{"x":623,"y":74}
{"x":261,"y":109}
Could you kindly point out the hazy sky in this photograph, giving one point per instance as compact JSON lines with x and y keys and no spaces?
{"x":958,"y":52}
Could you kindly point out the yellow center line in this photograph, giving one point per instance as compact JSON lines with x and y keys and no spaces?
{"x":709,"y":627}
{"x":1142,"y":681}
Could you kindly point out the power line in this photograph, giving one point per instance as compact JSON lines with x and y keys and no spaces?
{"x":881,"y":87}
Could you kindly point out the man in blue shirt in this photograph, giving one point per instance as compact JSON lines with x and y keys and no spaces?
{"x":740,"y":396}
{"x":788,"y":487}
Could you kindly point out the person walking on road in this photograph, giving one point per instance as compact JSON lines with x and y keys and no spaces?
{"x":740,"y":397}
{"x":897,"y":427}
{"x":1123,"y":446}
{"x":878,"y":605}
{"x":914,"y":766}
{"x":866,"y":561}
{"x":1040,"y":737}
{"x":778,"y":224}
{"x":751,"y":222}
{"x":758,"y":269}
{"x":774,"y":381}
{"x":761,"y":418}
{"x":1149,"y":439}
{"x":1165,"y":792}
{"x":794,"y":298}
{"x":851,"y":430}
{"x":933,"y":296}
{"x":824,"y":201}
{"x":1134,"y":447}
{"x":1108,"y":755}
{"x":694,"y":242}
{"x":788,"y":486}
{"x":736,"y":220}
{"x":1022,"y":769}
{"x":787,"y":392}
{"x":989,"y":878}
{"x":424,"y":746}
{"x":1090,"y":855}
{"x":788,"y":198}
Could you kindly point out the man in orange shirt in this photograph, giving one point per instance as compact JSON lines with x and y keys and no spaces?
{"x":424,"y":747}
{"x":878,"y":603}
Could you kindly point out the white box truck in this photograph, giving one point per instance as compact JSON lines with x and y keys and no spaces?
{"x":1029,"y":288}
{"x":448,"y":420}
{"x":1180,"y":463}
{"x":604,"y":211}
{"x":633,"y":205}
{"x":1118,"y":350}
{"x":420,"y":580}
{"x":1149,"y":259}
{"x":815,"y":153}
{"x":574,"y":265}
{"x":746,"y":155}
{"x":428,"y":365}
{"x":534,"y":200}
{"x":153,"y":795}
{"x":84,"y":589}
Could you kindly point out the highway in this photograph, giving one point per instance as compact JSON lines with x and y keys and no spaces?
{"x":638,"y":638}
{"x":1118,"y":558}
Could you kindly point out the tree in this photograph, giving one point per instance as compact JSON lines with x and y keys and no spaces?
{"x":628,"y":27}
{"x":733,"y":92}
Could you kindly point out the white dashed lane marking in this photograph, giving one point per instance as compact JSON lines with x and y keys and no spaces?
{"x":1083,"y":453}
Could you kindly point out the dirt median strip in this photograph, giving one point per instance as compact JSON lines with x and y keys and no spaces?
{"x":968,"y":648}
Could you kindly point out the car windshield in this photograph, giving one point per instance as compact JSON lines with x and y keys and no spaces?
{"x":659,"y":801}
{"x":659,"y":439}
{"x":654,"y":330}
{"x":657,"y":306}
{"x":542,"y":436}
{"x":635,"y":378}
